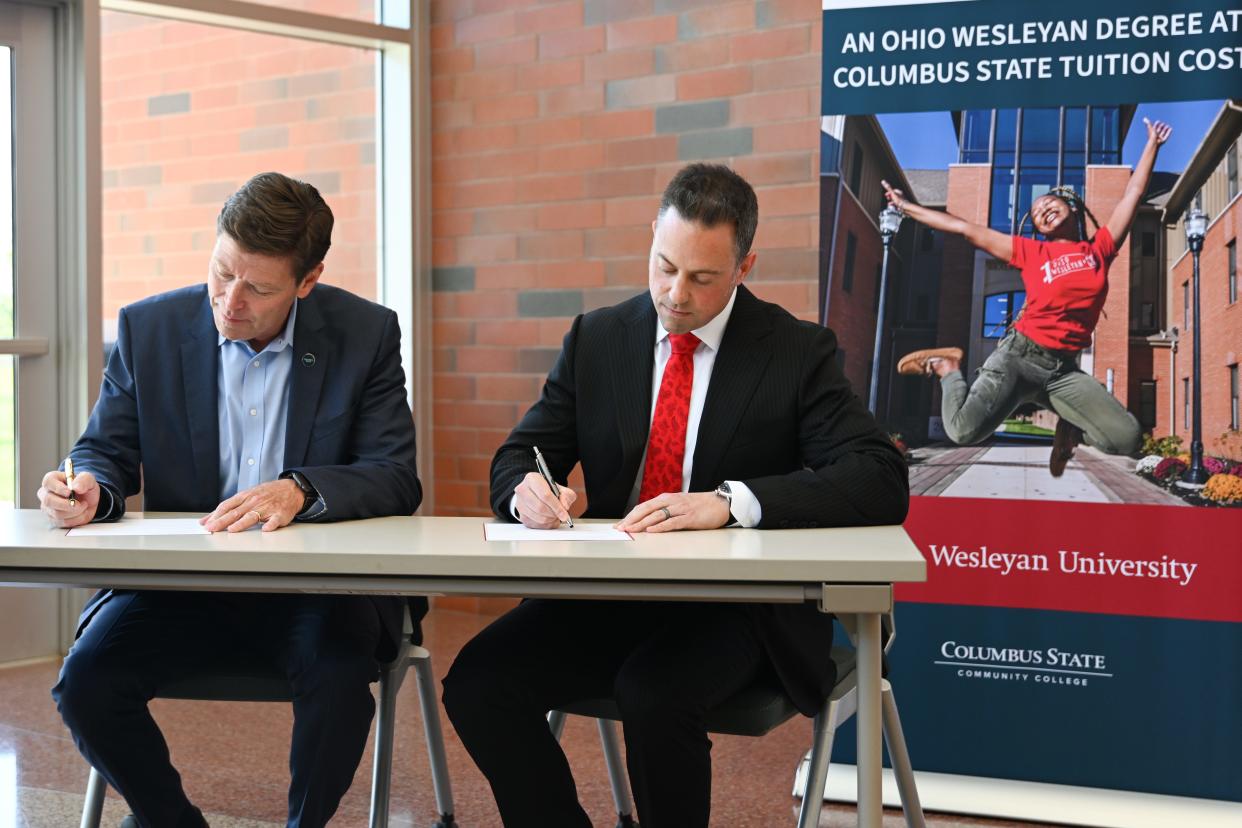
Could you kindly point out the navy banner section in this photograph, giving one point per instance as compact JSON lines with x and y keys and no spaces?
{"x":984,"y":54}
{"x":1140,"y":704}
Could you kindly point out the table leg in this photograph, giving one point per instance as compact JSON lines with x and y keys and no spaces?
{"x":870,"y":732}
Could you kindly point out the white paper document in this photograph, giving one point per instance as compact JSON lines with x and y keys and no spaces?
{"x":581,"y":532}
{"x":129,"y":526}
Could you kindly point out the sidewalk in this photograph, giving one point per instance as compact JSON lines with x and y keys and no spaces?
{"x":1019,"y":471}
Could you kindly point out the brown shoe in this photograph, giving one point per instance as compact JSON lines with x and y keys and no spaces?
{"x":1064,"y":439}
{"x":919,"y":362}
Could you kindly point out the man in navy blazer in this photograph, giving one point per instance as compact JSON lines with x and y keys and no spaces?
{"x":260,"y":398}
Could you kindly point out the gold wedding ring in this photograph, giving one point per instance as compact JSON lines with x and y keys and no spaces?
{"x":258,"y":516}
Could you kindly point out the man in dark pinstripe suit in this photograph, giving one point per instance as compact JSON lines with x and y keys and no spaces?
{"x":773,"y":438}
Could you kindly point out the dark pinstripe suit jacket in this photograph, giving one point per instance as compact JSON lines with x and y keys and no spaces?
{"x":779,"y":416}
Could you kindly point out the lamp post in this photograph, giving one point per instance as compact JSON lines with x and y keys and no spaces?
{"x":1196,"y":475}
{"x":890,"y":220}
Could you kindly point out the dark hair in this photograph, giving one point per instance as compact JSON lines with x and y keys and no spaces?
{"x":1078,"y":208}
{"x":712,"y":194}
{"x":277,"y":215}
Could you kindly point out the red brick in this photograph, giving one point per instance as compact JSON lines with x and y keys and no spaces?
{"x":472,"y":249}
{"x":506,"y":52}
{"x":771,"y":45}
{"x":642,"y":151}
{"x":472,"y":359}
{"x":454,"y":440}
{"x":584,"y":41}
{"x":520,"y":389}
{"x":445,"y":465}
{"x":504,"y":220}
{"x":625,"y":124}
{"x":510,"y":332}
{"x":611,"y":183}
{"x":568,"y":274}
{"x":631,"y":272}
{"x":564,"y":100}
{"x":479,"y":28}
{"x":488,"y":84}
{"x":801,"y":199}
{"x":551,"y":18}
{"x":478,"y":468}
{"x":452,"y":61}
{"x":631,"y":212}
{"x":613,"y":65}
{"x":482,"y":194}
{"x":779,"y":12}
{"x":776,"y":169}
{"x":452,"y":387}
{"x":646,"y":31}
{"x":781,"y":105}
{"x":550,"y":131}
{"x":452,"y":332}
{"x":796,"y":297}
{"x":786,"y":74}
{"x":570,"y":215}
{"x":476,"y":139}
{"x":733,"y":17}
{"x":715,"y":83}
{"x":571,"y":157}
{"x":694,"y":55}
{"x":511,"y":108}
{"x":786,"y":137}
{"x":494,"y":305}
{"x":550,"y":188}
{"x":550,"y":73}
{"x":785,"y":232}
{"x":499,"y":276}
{"x":440,"y":36}
{"x":617,"y":241}
{"x":561,"y":244}
{"x":443,"y":252}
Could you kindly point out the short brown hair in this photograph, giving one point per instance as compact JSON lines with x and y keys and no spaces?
{"x":713,"y":194}
{"x":277,"y":215}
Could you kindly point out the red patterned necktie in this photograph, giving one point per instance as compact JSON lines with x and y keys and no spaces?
{"x":666,"y":447}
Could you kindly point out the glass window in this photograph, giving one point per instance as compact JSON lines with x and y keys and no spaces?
{"x":1232,"y":255}
{"x":1001,"y":214}
{"x":1231,"y":170}
{"x":191,"y":111}
{"x":999,"y":312}
{"x":1185,"y":402}
{"x":353,"y":9}
{"x":1105,"y":135}
{"x":851,"y":250}
{"x":1148,"y":243}
{"x":1075,"y":133}
{"x":856,"y":169}
{"x":1147,"y":405}
{"x":1233,"y":398}
{"x":8,"y":451}
{"x":976,"y":136}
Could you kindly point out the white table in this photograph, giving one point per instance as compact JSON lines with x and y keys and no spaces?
{"x":844,"y":571}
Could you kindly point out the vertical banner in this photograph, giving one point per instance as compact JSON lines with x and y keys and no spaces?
{"x":1029,"y":226}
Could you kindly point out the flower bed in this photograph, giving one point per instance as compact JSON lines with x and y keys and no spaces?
{"x":1164,"y":467}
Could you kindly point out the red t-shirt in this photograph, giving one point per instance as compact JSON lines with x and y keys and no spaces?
{"x":1066,"y":284}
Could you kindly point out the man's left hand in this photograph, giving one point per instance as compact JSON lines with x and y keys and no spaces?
{"x":274,"y":504}
{"x":670,"y":512}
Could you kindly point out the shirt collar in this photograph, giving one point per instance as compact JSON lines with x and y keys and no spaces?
{"x":711,"y":333}
{"x":283,"y":340}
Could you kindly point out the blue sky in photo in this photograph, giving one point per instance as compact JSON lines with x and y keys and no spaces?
{"x":925,"y":140}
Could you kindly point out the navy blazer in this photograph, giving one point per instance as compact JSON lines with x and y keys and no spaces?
{"x":349,"y":429}
{"x":779,"y":416}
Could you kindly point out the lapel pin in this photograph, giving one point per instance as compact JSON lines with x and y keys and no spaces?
{"x":308,"y":360}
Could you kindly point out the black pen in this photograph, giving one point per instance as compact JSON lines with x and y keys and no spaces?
{"x":547,"y":476}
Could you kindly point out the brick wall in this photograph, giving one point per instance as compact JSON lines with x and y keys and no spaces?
{"x":1104,"y":187}
{"x":190,"y":112}
{"x":1221,"y":345}
{"x":555,"y":127}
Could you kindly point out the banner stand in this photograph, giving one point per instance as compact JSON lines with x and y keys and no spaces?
{"x":1037,"y":801}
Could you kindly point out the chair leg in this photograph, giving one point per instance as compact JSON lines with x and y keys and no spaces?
{"x":556,"y":722}
{"x":824,"y":729}
{"x":385,"y":718}
{"x":92,"y":807}
{"x":900,"y":758}
{"x":617,"y":777}
{"x":435,"y":737}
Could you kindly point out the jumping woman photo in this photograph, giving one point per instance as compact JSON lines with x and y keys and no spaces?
{"x":1065,"y":273}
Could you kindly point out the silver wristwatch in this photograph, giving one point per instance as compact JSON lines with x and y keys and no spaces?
{"x":723,"y":491}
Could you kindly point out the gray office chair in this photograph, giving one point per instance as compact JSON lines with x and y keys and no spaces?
{"x":756,"y":710}
{"x":262,"y":684}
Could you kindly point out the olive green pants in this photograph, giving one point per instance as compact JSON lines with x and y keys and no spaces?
{"x":1021,"y":371}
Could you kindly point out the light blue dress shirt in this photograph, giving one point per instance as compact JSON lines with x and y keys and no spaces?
{"x":252,"y":402}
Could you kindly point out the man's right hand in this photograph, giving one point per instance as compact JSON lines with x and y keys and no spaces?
{"x":537,"y":507}
{"x":54,"y":499}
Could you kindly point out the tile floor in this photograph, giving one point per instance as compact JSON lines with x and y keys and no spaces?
{"x":233,"y":759}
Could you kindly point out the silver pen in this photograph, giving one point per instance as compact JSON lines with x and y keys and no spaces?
{"x":547,"y":476}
